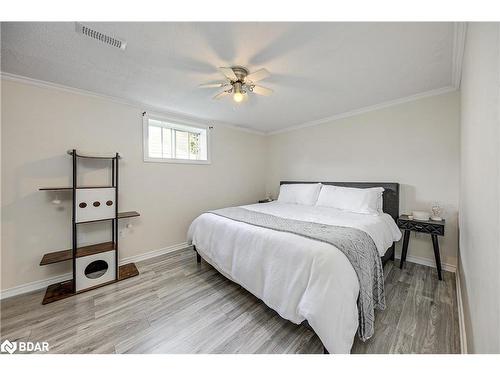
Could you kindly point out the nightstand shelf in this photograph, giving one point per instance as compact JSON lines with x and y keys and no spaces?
{"x":434,"y":228}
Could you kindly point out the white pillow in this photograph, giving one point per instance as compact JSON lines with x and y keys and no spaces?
{"x":362,"y":201}
{"x":299,"y":193}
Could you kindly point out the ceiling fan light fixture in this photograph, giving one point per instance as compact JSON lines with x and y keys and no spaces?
{"x":238,"y":94}
{"x":239,"y":83}
{"x":238,"y":97}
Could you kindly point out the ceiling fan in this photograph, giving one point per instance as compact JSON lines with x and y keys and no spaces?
{"x":239,"y":83}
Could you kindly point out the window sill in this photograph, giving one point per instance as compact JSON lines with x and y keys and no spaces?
{"x":176,"y":161}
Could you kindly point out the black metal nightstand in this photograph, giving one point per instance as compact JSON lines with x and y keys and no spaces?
{"x":434,"y":228}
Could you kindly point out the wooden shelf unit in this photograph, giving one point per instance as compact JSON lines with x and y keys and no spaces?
{"x":76,"y":285}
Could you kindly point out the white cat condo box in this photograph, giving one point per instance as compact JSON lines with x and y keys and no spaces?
{"x":93,"y":265}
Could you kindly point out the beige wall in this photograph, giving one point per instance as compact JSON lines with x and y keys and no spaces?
{"x":38,"y":126}
{"x":480,"y":188}
{"x":415,"y":144}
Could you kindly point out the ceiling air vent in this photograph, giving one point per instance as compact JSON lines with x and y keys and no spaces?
{"x":94,"y":34}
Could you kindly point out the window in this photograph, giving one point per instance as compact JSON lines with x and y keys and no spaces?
{"x":174,"y":142}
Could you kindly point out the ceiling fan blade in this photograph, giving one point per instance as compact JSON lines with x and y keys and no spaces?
{"x":260,"y":90}
{"x":228,"y":73}
{"x":221,"y":95}
{"x":257,"y":75}
{"x":212,"y":85}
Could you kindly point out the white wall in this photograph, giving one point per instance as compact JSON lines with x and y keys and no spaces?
{"x":39,"y":124}
{"x":415,"y":144}
{"x":480,"y":188}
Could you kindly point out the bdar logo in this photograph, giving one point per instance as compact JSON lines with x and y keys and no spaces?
{"x":8,"y":346}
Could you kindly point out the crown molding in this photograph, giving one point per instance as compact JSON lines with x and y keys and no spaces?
{"x":390,"y":103}
{"x":139,"y":105}
{"x":459,"y":33}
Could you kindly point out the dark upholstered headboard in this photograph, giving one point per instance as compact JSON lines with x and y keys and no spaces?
{"x":390,"y":197}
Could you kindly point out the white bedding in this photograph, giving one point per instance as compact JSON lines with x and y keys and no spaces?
{"x":300,"y":278}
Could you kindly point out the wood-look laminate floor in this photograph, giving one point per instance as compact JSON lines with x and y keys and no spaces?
{"x":178,"y":306}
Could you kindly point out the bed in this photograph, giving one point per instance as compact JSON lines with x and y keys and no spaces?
{"x":302,"y":279}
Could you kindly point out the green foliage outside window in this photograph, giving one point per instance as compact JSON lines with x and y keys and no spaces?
{"x":194,"y":143}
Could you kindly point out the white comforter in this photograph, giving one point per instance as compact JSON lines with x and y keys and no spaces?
{"x":300,"y":278}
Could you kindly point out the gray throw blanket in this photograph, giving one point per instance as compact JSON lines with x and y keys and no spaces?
{"x":357,"y":246}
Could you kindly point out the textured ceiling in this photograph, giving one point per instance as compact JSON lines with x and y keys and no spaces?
{"x":317,"y":70}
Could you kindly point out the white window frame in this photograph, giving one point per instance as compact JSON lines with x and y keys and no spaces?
{"x":176,"y":125}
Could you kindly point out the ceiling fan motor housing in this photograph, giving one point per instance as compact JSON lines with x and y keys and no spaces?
{"x":240,"y":72}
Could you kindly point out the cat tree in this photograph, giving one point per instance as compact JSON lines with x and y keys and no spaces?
{"x":93,"y":265}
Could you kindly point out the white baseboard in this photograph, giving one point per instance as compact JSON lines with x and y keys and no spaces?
{"x":154,"y":253}
{"x":461,"y":320}
{"x":430,"y":263}
{"x":36,"y":285}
